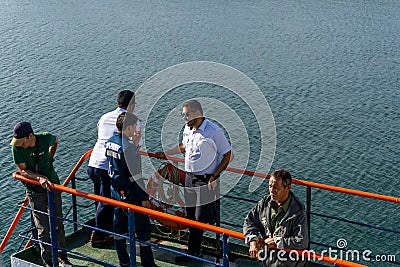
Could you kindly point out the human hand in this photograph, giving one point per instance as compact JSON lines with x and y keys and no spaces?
{"x":146,"y":204}
{"x":270,"y":242}
{"x":253,"y":250}
{"x":212,"y":183}
{"x":45,"y":183}
{"x":137,"y":135}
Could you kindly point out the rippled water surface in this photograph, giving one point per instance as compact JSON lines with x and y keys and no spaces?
{"x":330,"y":71}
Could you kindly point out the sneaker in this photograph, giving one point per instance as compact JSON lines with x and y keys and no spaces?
{"x":63,"y":260}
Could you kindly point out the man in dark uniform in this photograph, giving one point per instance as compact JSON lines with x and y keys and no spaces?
{"x":127,"y":185}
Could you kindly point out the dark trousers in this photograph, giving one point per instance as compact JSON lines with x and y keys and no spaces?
{"x":142,"y":230}
{"x":200,"y":206}
{"x":104,"y":212}
{"x":39,"y":202}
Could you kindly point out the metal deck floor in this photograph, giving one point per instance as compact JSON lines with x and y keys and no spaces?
{"x":79,"y":242}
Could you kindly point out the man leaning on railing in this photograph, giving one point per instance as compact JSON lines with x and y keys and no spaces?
{"x":281,"y":220}
{"x":33,"y":154}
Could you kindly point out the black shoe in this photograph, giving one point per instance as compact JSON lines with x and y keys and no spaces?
{"x":64,"y":262}
{"x":48,"y":264}
{"x":99,"y":240}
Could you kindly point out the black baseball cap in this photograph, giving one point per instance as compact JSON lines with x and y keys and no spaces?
{"x":21,"y":130}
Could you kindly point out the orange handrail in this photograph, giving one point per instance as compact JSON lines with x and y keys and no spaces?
{"x":310,"y":255}
{"x":77,"y":166}
{"x":186,"y":221}
{"x":173,"y":218}
{"x":339,"y":262}
{"x":347,"y":191}
{"x":66,"y":182}
{"x":321,"y":257}
{"x":231,"y":169}
{"x":157,"y":214}
{"x":300,"y":182}
{"x":25,"y":202}
{"x":13,"y":224}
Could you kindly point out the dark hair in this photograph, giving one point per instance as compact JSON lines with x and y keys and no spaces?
{"x":284,"y":175}
{"x":193,"y":105}
{"x":124,"y":120}
{"x":124,"y":98}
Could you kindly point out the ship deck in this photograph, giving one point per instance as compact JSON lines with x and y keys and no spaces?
{"x":79,"y":245}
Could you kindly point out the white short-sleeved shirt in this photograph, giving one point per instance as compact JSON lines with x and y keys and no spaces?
{"x":106,"y":127}
{"x":204,"y":148}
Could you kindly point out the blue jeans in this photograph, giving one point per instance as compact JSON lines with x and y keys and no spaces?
{"x":104,"y":212}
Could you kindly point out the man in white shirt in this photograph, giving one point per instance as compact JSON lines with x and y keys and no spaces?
{"x":98,"y":166}
{"x":207,"y":154}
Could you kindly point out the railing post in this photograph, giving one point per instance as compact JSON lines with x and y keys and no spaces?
{"x":309,"y":214}
{"x":218,"y":218}
{"x":53,"y":228}
{"x":225,"y":251}
{"x":132,"y":240}
{"x":74,"y":208}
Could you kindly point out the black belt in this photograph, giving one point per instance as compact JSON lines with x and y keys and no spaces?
{"x":203,"y":176}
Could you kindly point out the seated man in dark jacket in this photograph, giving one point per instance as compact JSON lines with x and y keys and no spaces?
{"x":281,"y":220}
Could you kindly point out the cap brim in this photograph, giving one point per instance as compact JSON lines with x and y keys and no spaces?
{"x":17,"y":142}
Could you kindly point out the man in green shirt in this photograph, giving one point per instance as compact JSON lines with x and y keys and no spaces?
{"x":33,"y":154}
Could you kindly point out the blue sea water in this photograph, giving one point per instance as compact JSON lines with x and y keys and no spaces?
{"x":330,"y":71}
